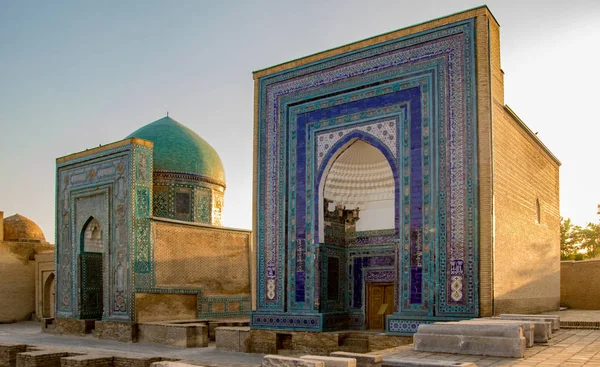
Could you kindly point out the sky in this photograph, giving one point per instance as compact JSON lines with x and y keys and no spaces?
{"x":76,"y":74}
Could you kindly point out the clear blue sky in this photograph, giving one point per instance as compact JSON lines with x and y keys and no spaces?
{"x":75,"y":74}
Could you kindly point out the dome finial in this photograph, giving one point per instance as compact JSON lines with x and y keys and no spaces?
{"x":167,"y":113}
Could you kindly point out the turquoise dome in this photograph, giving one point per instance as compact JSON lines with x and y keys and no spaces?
{"x":179,"y":149}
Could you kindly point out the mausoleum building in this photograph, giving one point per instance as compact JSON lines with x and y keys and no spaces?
{"x":27,"y":287}
{"x":139,"y":235}
{"x":393,"y":186}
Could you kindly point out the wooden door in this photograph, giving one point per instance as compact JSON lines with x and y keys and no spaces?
{"x":377,"y":295}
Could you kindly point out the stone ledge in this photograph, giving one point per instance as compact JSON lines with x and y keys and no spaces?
{"x":467,"y":344}
{"x":332,"y":361}
{"x":362,"y":360}
{"x":424,"y":363}
{"x":280,"y":361}
{"x":554,"y":319}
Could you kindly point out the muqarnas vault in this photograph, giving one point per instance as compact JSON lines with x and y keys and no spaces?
{"x":393,"y":186}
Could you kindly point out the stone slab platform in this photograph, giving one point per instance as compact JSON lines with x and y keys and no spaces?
{"x":528,"y":327}
{"x":555,"y":320}
{"x":362,"y":360}
{"x":332,"y":361}
{"x":280,"y":361}
{"x":424,"y":363}
{"x":477,"y":339}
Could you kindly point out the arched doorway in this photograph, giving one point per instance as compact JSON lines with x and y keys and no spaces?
{"x":358,"y":199}
{"x":48,"y":301}
{"x":91,"y":305}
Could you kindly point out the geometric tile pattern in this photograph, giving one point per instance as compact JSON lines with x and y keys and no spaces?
{"x":423,"y":86}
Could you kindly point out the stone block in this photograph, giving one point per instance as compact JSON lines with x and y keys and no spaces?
{"x":42,"y":358}
{"x":69,"y":326}
{"x":121,"y":331}
{"x":214,"y":324}
{"x":134,"y":361}
{"x":280,"y":361}
{"x":553,"y":319}
{"x":181,"y":335}
{"x":87,"y":361}
{"x":8,"y":353}
{"x":424,"y":363}
{"x":362,"y":360}
{"x":498,"y":340}
{"x":201,"y":331}
{"x":234,"y":339}
{"x":542,"y":331}
{"x":332,"y":361}
{"x":528,"y":327}
{"x":171,"y":364}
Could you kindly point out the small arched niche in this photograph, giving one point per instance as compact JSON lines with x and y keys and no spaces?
{"x":92,"y":236}
{"x":359,"y":185}
{"x":48,"y":301}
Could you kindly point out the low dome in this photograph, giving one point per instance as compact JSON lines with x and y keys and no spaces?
{"x":22,"y":229}
{"x":179,"y":149}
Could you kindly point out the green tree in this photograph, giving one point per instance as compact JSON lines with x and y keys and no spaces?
{"x":590,"y":239}
{"x":570,"y":237}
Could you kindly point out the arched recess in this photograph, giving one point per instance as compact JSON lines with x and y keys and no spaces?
{"x":360,"y":172}
{"x":91,"y":271}
{"x":91,"y":236}
{"x":49,"y":287}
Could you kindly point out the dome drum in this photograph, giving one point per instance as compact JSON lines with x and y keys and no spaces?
{"x":188,"y":176}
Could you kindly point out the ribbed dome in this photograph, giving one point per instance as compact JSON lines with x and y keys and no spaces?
{"x":179,"y":149}
{"x":23,"y":229}
{"x":360,"y":174}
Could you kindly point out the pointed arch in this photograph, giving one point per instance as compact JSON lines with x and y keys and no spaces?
{"x":332,"y":156}
{"x":91,"y":236}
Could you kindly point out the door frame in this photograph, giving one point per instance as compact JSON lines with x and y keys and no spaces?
{"x":367,"y":288}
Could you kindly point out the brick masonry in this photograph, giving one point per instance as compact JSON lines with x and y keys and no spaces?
{"x":121,"y":331}
{"x":527,"y":243}
{"x":580,"y":284}
{"x":8,"y":353}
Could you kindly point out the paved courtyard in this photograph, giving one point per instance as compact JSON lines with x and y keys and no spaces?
{"x":568,"y":347}
{"x":29,"y":332}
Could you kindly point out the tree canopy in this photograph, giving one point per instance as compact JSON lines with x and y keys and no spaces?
{"x":579,"y":243}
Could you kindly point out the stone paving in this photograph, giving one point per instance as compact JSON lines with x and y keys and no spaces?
{"x":29,"y":332}
{"x":568,"y":347}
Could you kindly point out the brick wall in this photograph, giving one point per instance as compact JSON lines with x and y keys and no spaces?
{"x":214,"y":259}
{"x":158,"y":307}
{"x":526,"y":251}
{"x":580,"y":284}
